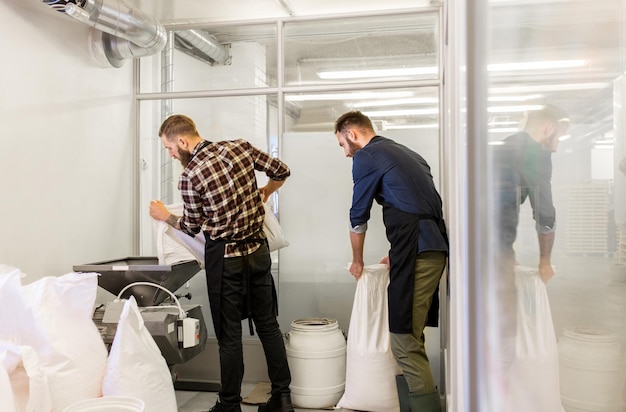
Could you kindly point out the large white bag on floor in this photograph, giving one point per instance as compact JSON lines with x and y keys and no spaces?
{"x":17,"y":322}
{"x":136,"y":367}
{"x":7,"y":403}
{"x":370,"y":366}
{"x":174,"y":246}
{"x":533,"y":383}
{"x":63,"y":308}
{"x":23,"y":381}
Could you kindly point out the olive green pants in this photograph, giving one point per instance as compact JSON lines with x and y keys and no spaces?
{"x":408,"y":348}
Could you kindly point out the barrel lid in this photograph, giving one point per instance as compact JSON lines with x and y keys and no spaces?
{"x":316,"y":324}
{"x":590,"y":334}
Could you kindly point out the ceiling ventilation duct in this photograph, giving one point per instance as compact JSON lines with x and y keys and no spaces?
{"x":202,"y":45}
{"x":121,"y":32}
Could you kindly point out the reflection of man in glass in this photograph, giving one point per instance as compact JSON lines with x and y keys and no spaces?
{"x":522,"y":170}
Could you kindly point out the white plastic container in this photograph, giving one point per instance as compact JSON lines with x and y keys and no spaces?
{"x":316,"y":352}
{"x":592,"y":371}
{"x":108,"y":404}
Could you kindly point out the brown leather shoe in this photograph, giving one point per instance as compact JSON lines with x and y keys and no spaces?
{"x":280,"y":403}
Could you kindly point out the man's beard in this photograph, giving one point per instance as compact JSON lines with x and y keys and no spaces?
{"x":352,"y":148}
{"x":185,"y":157}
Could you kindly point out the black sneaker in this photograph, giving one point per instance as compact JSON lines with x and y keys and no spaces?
{"x":217,"y":407}
{"x":281,"y":403}
{"x":220,"y":407}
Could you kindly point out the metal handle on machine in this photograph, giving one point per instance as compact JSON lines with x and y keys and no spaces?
{"x":182,"y":314}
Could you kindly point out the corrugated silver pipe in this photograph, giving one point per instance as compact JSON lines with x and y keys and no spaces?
{"x":204,"y":43}
{"x":121,"y":32}
{"x":126,"y":32}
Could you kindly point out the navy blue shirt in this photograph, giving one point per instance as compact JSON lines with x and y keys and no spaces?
{"x":523,"y":170}
{"x":396,"y":176}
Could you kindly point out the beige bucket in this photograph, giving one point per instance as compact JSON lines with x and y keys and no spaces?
{"x":108,"y":404}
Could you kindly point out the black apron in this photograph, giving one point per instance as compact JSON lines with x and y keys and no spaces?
{"x":214,"y":267}
{"x":214,"y":251}
{"x":402,"y":230}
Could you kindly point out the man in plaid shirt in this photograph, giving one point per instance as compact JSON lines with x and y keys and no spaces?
{"x":221,"y":199}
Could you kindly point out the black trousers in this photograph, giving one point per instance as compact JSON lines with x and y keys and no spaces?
{"x":242,"y":276}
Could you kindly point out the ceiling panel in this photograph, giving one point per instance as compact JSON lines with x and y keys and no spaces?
{"x":228,"y":10}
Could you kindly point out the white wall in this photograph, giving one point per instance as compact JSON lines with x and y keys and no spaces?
{"x":65,"y":148}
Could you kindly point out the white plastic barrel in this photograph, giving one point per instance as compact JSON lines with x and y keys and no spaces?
{"x":316,"y":352}
{"x":592,"y":371}
{"x":108,"y":404}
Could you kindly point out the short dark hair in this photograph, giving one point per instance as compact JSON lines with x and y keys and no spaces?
{"x":178,"y":125}
{"x":353,"y":119}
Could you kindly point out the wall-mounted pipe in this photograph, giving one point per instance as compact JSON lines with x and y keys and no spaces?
{"x":121,"y":32}
{"x":126,"y":32}
{"x":203,"y":42}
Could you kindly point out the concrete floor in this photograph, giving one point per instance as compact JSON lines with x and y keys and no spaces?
{"x":189,"y":401}
{"x":586,"y":292}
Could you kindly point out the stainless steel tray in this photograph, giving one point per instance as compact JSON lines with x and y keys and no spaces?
{"x":116,"y":274}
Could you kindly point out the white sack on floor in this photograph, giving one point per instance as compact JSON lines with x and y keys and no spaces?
{"x":6,"y":393}
{"x":534,"y":375}
{"x":23,"y":381}
{"x":136,"y":367}
{"x":17,"y":323}
{"x":370,"y":366}
{"x":174,"y":246}
{"x":63,"y":308}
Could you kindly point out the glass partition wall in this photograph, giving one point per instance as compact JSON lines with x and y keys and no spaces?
{"x":281,"y":85}
{"x":520,"y":343}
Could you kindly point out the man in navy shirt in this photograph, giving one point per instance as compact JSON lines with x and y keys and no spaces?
{"x":522,"y":169}
{"x":401,"y":182}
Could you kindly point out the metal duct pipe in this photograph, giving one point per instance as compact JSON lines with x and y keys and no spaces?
{"x":206,"y":44}
{"x":126,"y":32}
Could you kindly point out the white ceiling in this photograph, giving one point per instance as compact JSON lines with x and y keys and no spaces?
{"x":237,"y":10}
{"x":520,"y":31}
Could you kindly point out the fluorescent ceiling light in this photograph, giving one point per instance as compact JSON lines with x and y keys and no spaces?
{"x":503,"y":130}
{"x":347,"y":96}
{"x":564,"y":137}
{"x":407,"y":112}
{"x":496,"y":143}
{"x":517,"y":98}
{"x":548,"y":88}
{"x":416,"y":71}
{"x":411,"y":126}
{"x":507,"y":123}
{"x":414,"y":100}
{"x":391,"y":72}
{"x":520,"y":108}
{"x":536,"y":65}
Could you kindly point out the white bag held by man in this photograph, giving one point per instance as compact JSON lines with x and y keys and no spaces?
{"x":174,"y":246}
{"x":370,"y":366}
{"x":534,"y":383}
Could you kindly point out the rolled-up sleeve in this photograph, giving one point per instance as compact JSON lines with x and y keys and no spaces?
{"x":191,"y":222}
{"x":366,"y":179}
{"x":540,"y":192}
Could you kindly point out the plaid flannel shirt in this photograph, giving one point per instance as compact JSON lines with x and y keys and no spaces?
{"x":220,"y":192}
